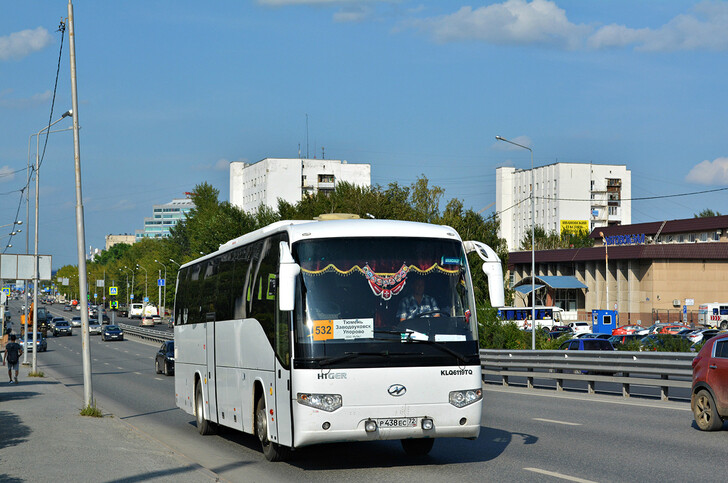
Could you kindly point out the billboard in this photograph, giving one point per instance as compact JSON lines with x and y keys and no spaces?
{"x":574,"y":226}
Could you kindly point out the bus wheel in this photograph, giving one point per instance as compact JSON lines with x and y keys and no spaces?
{"x":417,"y":447}
{"x":724,"y":325}
{"x":203,"y":425}
{"x":272,"y":451}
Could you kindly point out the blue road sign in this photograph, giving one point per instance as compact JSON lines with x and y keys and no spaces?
{"x":160,"y":282}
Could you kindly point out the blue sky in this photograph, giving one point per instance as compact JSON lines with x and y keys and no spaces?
{"x":171,"y":91}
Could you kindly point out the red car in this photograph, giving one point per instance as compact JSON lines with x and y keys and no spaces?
{"x":627,"y":329}
{"x":672,"y":329}
{"x":709,"y":400}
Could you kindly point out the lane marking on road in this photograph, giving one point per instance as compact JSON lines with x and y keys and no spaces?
{"x":618,"y":399}
{"x":556,"y":422}
{"x":120,"y":368}
{"x":558,"y":475}
{"x":138,"y":373}
{"x":159,"y":378}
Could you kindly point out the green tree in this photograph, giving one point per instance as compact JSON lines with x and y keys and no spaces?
{"x":707,"y":213}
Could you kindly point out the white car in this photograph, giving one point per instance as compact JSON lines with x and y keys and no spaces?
{"x":76,"y":321}
{"x":94,"y":328}
{"x":580,"y":327}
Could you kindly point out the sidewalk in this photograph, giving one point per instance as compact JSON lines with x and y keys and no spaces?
{"x":43,"y":438}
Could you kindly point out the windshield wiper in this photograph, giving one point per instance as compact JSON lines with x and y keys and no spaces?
{"x":460,"y":357}
{"x":352,"y":355}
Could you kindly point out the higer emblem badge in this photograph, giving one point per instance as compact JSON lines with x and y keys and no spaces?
{"x":397,"y":390}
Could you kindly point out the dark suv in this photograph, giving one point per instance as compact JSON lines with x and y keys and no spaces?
{"x":586,"y":345}
{"x":709,"y":399}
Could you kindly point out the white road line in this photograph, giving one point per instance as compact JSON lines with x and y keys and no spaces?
{"x":556,"y":422}
{"x":120,"y":368}
{"x":159,"y":378}
{"x":138,"y":373}
{"x":558,"y":475}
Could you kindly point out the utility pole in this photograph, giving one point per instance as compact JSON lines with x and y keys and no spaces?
{"x":80,"y":230}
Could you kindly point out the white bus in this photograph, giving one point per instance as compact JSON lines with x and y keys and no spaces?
{"x":545,"y":316}
{"x":294,"y":333}
{"x":713,"y":315}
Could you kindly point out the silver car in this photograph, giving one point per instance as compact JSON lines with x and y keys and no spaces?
{"x":76,"y":321}
{"x":94,"y":328}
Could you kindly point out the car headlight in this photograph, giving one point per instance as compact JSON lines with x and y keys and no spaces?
{"x":325,"y":402}
{"x":465,"y":397}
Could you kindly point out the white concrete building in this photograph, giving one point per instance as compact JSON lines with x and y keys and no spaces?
{"x":289,"y":179}
{"x":586,"y":195}
{"x":164,"y":217}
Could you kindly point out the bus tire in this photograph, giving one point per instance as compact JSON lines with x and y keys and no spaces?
{"x":271,"y":450}
{"x":417,"y":447}
{"x":203,"y":425}
{"x":724,"y":325}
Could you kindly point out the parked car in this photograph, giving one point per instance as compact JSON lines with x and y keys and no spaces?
{"x":630,"y":329}
{"x":580,"y":327}
{"x":112,"y":332}
{"x":40,"y":342}
{"x":586,"y":345}
{"x":62,"y":328}
{"x":76,"y":321}
{"x":709,"y":400}
{"x":164,"y":361}
{"x":672,"y":329}
{"x":617,"y":340}
{"x":590,"y":335}
{"x":654,"y":328}
{"x":560,"y":330}
{"x":702,"y":335}
{"x":94,"y":328}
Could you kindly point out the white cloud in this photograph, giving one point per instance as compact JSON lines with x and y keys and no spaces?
{"x":542,"y":22}
{"x":512,"y":22}
{"x":21,"y":103}
{"x":6,"y":174}
{"x":709,"y":172}
{"x":705,"y":28}
{"x":19,"y":44}
{"x":357,"y":13}
{"x":222,"y":165}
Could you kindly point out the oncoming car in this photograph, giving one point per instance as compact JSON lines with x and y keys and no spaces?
{"x":112,"y":332}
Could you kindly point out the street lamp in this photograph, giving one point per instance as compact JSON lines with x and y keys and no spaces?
{"x":164,"y":304}
{"x":178,"y":265}
{"x":35,"y":261}
{"x":533,"y":244}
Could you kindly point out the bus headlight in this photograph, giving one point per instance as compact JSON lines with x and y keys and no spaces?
{"x":325,"y":402}
{"x":463,"y":398}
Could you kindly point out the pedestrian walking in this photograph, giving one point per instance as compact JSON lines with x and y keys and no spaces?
{"x":13,"y":351}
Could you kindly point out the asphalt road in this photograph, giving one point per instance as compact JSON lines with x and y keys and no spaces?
{"x":527,"y":435}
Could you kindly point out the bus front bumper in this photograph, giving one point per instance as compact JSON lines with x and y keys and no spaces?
{"x":371,"y":423}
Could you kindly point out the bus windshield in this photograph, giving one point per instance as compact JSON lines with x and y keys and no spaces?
{"x":363,"y":300}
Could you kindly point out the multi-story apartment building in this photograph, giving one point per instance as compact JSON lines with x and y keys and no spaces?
{"x":575,"y":194}
{"x":164,"y":217}
{"x":268,"y":180}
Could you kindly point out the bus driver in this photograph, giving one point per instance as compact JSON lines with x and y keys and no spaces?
{"x":419,"y":303}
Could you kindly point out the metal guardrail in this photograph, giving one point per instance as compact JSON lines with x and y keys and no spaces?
{"x":658,"y":369}
{"x":146,"y":334}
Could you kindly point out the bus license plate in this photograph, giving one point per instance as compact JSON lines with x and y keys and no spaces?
{"x":397,"y":423}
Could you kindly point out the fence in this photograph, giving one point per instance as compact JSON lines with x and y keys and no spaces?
{"x":658,"y":369}
{"x":146,"y":334}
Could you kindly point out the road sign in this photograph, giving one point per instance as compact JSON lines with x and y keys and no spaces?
{"x":96,"y":295}
{"x":160,"y":282}
{"x":114,"y":304}
{"x":113,"y":291}
{"x":131,"y":296}
{"x":6,"y":291}
{"x":146,"y":300}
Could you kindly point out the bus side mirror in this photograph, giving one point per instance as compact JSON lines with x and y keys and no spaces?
{"x":492,"y":270}
{"x":289,"y":271}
